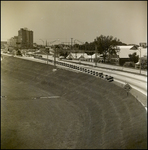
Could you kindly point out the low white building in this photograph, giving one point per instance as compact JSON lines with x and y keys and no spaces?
{"x":77,"y":56}
{"x":92,"y":57}
{"x":124,"y":51}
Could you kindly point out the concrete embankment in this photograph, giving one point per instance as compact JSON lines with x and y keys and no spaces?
{"x":46,"y":109}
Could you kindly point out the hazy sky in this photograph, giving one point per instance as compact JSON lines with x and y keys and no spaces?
{"x":82,"y":20}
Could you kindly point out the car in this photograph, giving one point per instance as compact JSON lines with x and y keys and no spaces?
{"x":69,"y":58}
{"x":37,"y":56}
{"x":61,"y":57}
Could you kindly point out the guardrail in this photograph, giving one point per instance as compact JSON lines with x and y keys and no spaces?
{"x":136,"y":81}
{"x":84,"y":70}
{"x":109,"y":75}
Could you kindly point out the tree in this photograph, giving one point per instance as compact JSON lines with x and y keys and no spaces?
{"x":60,"y":51}
{"x":106,"y":45}
{"x":18,"y":52}
{"x":143,"y":61}
{"x":134,"y":57}
{"x":90,"y":48}
{"x":76,"y":46}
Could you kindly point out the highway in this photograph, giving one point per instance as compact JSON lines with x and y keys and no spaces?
{"x":137,"y":81}
{"x":104,"y":66}
{"x":129,"y":76}
{"x":46,"y":109}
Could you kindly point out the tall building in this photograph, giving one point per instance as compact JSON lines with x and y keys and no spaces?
{"x":12,"y":42}
{"x":25,"y":38}
{"x":3,"y":44}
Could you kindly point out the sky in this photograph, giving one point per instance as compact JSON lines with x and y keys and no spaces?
{"x":79,"y":20}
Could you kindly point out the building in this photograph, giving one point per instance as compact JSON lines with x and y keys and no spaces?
{"x":124,"y":52}
{"x":77,"y":56}
{"x":94,"y":56}
{"x":25,"y":38}
{"x":144,"y":45}
{"x":12,"y":42}
{"x":3,"y":44}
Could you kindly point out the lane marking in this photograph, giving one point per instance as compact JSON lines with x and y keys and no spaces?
{"x":46,"y":97}
{"x":3,"y":96}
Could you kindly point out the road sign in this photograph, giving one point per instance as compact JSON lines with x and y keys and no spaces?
{"x":127,"y":87}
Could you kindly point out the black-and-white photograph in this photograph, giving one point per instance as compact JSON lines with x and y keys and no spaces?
{"x":73,"y":74}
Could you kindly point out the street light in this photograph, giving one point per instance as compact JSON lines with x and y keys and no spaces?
{"x":47,"y":50}
{"x":71,"y":44}
{"x":55,"y":56}
{"x":95,"y":53}
{"x":140,"y":58}
{"x":75,"y":49}
{"x":54,"y":52}
{"x":42,"y":41}
{"x":136,"y":47}
{"x":47,"y":47}
{"x":81,"y":43}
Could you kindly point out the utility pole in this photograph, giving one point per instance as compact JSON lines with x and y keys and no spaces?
{"x":83,"y":49}
{"x":55,"y":57}
{"x":95,"y":53}
{"x":75,"y":49}
{"x":42,"y":41}
{"x":83,"y":44}
{"x":140,"y":60}
{"x":54,"y":52}
{"x":139,"y":49}
{"x":46,"y":48}
{"x":71,"y":44}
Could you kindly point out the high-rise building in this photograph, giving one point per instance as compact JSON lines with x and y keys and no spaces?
{"x":12,"y":42}
{"x":25,"y":38}
{"x":3,"y":44}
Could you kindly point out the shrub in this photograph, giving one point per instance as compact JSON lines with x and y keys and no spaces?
{"x":123,"y":60}
{"x":143,"y":62}
{"x":129,"y":64}
{"x":114,"y":61}
{"x":19,"y":53}
{"x":133,"y":57}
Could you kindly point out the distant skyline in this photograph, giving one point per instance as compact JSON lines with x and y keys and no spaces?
{"x":82,"y":20}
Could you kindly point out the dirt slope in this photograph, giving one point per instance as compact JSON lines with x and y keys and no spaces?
{"x":55,"y":110}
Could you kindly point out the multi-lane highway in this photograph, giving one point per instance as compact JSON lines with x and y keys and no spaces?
{"x":46,"y":109}
{"x":137,"y":81}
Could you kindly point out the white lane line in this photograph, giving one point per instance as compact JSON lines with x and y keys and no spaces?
{"x":46,"y":97}
{"x":3,"y":96}
{"x":50,"y":97}
{"x":134,"y":87}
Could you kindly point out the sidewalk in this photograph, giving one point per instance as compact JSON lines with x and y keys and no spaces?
{"x":112,"y":67}
{"x":100,"y":65}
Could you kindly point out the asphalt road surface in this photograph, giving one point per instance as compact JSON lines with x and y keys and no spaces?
{"x":46,"y":109}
